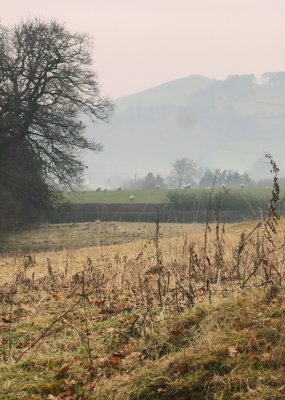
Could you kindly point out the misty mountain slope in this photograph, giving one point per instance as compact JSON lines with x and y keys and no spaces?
{"x":222,"y":124}
{"x":174,"y":92}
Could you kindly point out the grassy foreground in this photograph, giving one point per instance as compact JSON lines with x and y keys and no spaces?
{"x":198,"y":316}
{"x":232,"y":349}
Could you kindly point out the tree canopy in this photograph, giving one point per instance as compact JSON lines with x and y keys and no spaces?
{"x":46,"y":85}
{"x":227,"y":177}
{"x":150,"y":181}
{"x":184,"y":171}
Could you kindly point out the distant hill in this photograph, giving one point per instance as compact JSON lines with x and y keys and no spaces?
{"x":218,"y":123}
{"x":174,"y":92}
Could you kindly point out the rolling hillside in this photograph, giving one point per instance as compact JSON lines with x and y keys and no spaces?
{"x":221,"y":124}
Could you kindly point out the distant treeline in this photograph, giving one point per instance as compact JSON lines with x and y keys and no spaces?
{"x":185,"y":173}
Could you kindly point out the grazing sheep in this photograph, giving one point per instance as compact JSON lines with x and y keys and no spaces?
{"x":119,"y":189}
{"x":242,"y":185}
{"x":131,"y":197}
{"x":98,"y":189}
{"x":188,"y":186}
{"x":157,"y":187}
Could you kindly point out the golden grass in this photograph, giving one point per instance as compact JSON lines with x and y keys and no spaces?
{"x":53,"y":237}
{"x":232,"y":349}
{"x":173,"y":237}
{"x":139,"y":313}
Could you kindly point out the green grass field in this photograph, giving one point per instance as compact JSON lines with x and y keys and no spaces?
{"x":153,"y":196}
{"x":117,"y":196}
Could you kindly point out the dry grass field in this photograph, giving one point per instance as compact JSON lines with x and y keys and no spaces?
{"x":196,"y":312}
{"x":53,"y":237}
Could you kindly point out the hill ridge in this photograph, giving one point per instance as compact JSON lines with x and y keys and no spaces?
{"x":225,"y":124}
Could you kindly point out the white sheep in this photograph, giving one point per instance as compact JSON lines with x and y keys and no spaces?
{"x":131,"y":197}
{"x":188,"y":186}
{"x":157,"y":187}
{"x":224,"y":186}
{"x":242,"y":185}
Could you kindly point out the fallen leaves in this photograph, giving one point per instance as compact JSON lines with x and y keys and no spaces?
{"x":233,"y":352}
{"x":63,"y":370}
{"x":7,"y":320}
{"x":136,"y":356}
{"x":118,"y":358}
{"x":272,"y":321}
{"x":265,"y":357}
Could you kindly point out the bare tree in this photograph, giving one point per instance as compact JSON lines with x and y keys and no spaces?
{"x":46,"y":85}
{"x":184,"y":171}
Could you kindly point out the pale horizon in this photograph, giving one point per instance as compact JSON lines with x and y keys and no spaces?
{"x":138,"y":45}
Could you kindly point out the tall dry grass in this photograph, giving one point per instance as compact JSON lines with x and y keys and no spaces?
{"x":50,"y":300}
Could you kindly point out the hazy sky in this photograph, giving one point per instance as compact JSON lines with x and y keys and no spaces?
{"x":142,"y":43}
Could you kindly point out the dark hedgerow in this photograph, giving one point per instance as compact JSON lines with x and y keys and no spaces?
{"x":243,"y":200}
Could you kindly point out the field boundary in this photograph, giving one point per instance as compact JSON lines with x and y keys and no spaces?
{"x":137,"y":212}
